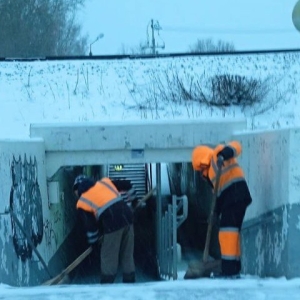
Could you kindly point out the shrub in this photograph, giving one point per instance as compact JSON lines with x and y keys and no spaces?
{"x":238,"y":90}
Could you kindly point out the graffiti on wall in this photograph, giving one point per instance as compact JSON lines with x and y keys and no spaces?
{"x":26,"y":203}
{"x":49,"y":233}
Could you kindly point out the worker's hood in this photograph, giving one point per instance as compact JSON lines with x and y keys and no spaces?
{"x":201,"y":156}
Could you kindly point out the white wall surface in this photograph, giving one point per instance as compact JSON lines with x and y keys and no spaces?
{"x":293,"y":156}
{"x":269,"y":159}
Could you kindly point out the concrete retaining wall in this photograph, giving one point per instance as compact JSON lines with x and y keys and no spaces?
{"x":24,"y":189}
{"x":271,"y":228}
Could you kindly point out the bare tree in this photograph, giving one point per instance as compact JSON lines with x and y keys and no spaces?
{"x":30,"y":28}
{"x":208,"y":45}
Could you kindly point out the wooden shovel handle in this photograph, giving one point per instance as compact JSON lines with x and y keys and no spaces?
{"x":211,"y":216}
{"x":58,"y":279}
{"x":146,"y":197}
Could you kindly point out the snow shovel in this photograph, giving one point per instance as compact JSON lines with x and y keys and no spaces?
{"x":197,"y":269}
{"x":61,"y":277}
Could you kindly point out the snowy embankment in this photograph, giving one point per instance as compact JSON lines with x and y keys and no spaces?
{"x":127,"y":89}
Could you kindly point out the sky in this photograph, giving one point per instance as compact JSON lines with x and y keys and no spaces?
{"x":248,"y":24}
{"x":113,"y":90}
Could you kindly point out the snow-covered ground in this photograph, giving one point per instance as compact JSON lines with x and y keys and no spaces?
{"x":118,"y":90}
{"x":247,"y":288}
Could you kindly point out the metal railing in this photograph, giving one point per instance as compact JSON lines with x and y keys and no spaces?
{"x":172,"y":217}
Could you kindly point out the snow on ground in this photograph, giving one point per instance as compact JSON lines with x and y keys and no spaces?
{"x":247,"y":288}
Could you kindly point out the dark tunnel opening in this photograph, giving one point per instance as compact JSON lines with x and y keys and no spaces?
{"x":190,"y":235}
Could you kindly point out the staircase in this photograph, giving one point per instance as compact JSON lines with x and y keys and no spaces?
{"x":136,"y":173}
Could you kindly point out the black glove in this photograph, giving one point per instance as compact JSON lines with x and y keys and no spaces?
{"x":95,"y":245}
{"x":220,"y":161}
{"x":226,"y":152}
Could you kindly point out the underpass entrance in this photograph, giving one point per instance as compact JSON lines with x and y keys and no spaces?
{"x":130,"y":150}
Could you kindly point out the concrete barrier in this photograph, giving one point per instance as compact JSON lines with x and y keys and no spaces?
{"x":271,"y":228}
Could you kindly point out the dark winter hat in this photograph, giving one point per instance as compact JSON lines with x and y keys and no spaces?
{"x":79,"y":179}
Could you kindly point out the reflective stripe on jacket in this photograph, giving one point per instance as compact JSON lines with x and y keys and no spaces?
{"x":99,"y":197}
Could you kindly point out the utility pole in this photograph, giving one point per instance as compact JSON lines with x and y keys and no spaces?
{"x":153,"y":39}
{"x":155,"y":27}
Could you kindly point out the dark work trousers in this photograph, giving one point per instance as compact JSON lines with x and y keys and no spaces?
{"x":117,"y":249}
{"x":229,"y":237}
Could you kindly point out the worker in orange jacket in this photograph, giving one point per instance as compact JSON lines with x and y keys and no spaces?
{"x":233,"y":199}
{"x":100,"y":205}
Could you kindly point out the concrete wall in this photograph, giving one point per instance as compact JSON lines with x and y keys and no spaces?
{"x":128,"y":142}
{"x":24,"y":190}
{"x":271,"y":228}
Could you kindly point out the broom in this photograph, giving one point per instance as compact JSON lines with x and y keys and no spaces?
{"x":197,"y":269}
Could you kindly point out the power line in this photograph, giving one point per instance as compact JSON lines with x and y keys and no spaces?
{"x":228,"y":30}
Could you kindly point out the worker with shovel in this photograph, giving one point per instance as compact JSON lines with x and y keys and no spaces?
{"x":220,"y":168}
{"x":101,"y":204}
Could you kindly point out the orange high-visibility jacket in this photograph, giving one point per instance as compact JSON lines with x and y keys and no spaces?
{"x":231,"y":171}
{"x":99,"y":197}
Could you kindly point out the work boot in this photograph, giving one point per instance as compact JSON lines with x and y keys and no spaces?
{"x":129,"y":277}
{"x":107,"y":279}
